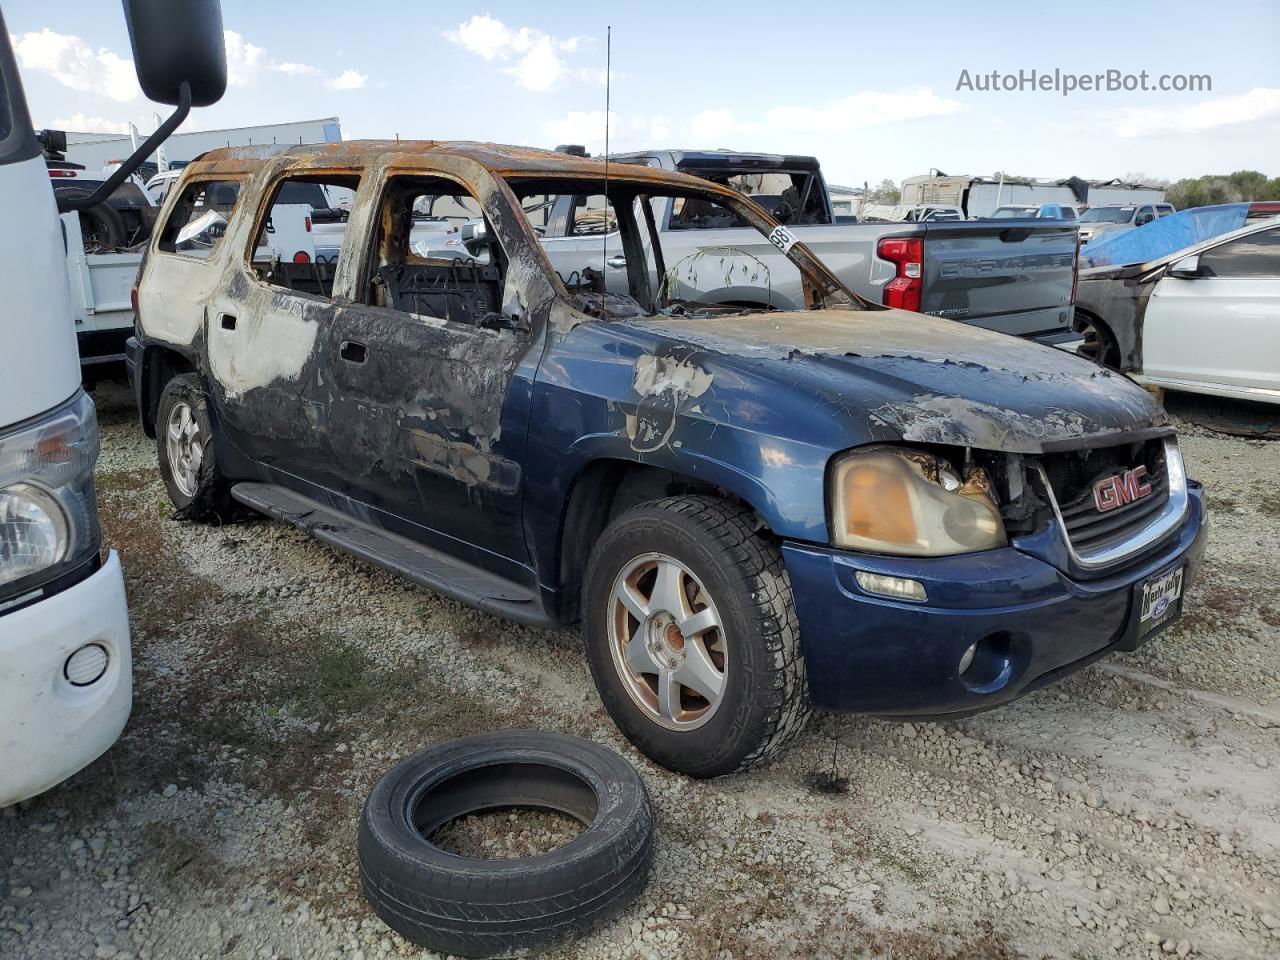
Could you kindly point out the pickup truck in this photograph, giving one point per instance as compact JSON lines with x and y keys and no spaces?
{"x":102,"y":257}
{"x":1114,"y":218}
{"x":751,"y":510}
{"x":1011,"y":276}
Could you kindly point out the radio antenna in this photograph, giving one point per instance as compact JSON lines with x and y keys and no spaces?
{"x":608,"y":73}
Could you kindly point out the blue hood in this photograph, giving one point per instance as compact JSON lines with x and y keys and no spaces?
{"x":882,"y":375}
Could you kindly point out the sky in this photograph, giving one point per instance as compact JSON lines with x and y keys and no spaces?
{"x":874,"y":91}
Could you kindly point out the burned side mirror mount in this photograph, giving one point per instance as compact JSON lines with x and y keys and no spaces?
{"x":176,"y":42}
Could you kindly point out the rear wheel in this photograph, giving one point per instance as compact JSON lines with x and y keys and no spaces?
{"x":185,"y":449}
{"x":692,"y":637}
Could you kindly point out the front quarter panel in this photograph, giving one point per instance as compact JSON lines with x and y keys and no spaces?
{"x":609,"y":394}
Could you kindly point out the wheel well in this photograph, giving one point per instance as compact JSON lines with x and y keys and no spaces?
{"x":604,"y":490}
{"x":159,"y":366}
{"x":1110,"y":356}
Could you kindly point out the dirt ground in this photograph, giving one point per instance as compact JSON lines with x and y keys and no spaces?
{"x":1132,"y":811}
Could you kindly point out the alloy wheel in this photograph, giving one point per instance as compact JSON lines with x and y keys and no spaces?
{"x":667,"y":641}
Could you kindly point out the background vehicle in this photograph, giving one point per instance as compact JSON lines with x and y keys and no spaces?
{"x":103,"y":251}
{"x":1047,"y":211}
{"x":1205,"y":319}
{"x":65,"y":686}
{"x":924,"y":213}
{"x":749,"y":509}
{"x":1014,"y":281}
{"x":1116,"y":218}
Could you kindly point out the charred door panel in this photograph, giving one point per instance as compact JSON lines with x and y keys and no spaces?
{"x":426,"y":422}
{"x":264,"y":344}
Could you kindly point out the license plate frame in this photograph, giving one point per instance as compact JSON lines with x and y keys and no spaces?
{"x":1159,"y":601}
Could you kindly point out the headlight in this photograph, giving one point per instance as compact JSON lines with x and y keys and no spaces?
{"x":48,"y":517}
{"x":34,"y":533}
{"x":912,"y":503}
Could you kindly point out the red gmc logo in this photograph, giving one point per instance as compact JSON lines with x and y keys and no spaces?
{"x":1122,"y":488}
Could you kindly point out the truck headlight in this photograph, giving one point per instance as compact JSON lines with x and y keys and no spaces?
{"x":48,"y":514}
{"x":34,"y":533}
{"x":912,"y":503}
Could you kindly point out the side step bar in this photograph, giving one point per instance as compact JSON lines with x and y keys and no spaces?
{"x":414,"y":561}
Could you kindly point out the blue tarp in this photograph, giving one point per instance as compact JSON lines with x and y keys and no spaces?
{"x":1159,"y":238}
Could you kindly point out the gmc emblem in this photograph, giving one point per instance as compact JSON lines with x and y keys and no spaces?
{"x":1121,"y":488}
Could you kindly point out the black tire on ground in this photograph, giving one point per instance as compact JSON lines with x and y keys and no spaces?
{"x":765,"y":700}
{"x":210,"y":500}
{"x":486,"y":908}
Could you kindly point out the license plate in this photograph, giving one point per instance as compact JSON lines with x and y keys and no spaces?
{"x":1160,"y":596}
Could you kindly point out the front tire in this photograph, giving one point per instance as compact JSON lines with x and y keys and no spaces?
{"x":692,"y":637}
{"x":1099,"y":342}
{"x":185,"y":450}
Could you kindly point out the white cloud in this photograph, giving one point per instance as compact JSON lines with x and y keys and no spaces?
{"x":710,"y":125}
{"x":1259,"y":104}
{"x":540,"y":68}
{"x":294,"y":69}
{"x":536,"y":53}
{"x":625,"y":132}
{"x":348,"y":80}
{"x":83,"y":124}
{"x":75,"y":64}
{"x":244,"y":59}
{"x":867,"y":108}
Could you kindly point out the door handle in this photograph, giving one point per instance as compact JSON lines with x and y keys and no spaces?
{"x":353,"y":351}
{"x":617,"y":261}
{"x":227,"y":321}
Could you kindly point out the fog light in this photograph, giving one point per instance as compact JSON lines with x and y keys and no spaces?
{"x":966,"y":658}
{"x":899,"y":588}
{"x":86,"y":665}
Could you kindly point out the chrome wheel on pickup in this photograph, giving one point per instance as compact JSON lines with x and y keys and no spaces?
{"x":692,"y":637}
{"x":186,"y":441}
{"x":667,"y":641}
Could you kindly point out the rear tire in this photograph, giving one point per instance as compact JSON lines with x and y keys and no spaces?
{"x":185,"y":450}
{"x":692,"y":637}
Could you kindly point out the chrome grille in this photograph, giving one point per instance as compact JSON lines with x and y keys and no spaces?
{"x":1099,"y":539}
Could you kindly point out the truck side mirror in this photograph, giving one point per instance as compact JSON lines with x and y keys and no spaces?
{"x":181,"y":59}
{"x":1188,"y":268}
{"x":176,"y":42}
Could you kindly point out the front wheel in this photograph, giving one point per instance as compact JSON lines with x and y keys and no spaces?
{"x":692,"y":637}
{"x":1099,"y":343}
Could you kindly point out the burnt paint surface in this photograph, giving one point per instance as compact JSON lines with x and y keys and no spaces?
{"x":472,"y":439}
{"x":1120,"y":301}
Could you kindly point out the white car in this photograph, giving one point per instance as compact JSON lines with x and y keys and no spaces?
{"x":1205,"y":319}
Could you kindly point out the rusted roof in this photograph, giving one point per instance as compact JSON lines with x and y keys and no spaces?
{"x":500,"y":159}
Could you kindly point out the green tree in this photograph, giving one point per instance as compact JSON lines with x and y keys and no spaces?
{"x":885,"y":192}
{"x":1243,"y":186}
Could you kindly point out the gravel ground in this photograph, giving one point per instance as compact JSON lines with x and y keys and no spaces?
{"x":1132,"y":811}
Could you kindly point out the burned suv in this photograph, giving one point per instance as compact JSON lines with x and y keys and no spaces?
{"x":751,"y":511}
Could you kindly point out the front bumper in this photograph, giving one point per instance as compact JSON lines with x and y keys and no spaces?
{"x":50,"y":728}
{"x":871,"y":654}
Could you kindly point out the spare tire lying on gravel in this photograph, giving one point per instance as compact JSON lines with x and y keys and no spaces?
{"x":485,"y":908}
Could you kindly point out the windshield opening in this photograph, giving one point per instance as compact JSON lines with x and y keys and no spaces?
{"x":1108,"y":215}
{"x":622,"y":256}
{"x":790,"y":196}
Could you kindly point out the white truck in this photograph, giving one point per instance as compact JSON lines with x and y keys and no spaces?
{"x":1012,"y":276}
{"x":65,"y":656}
